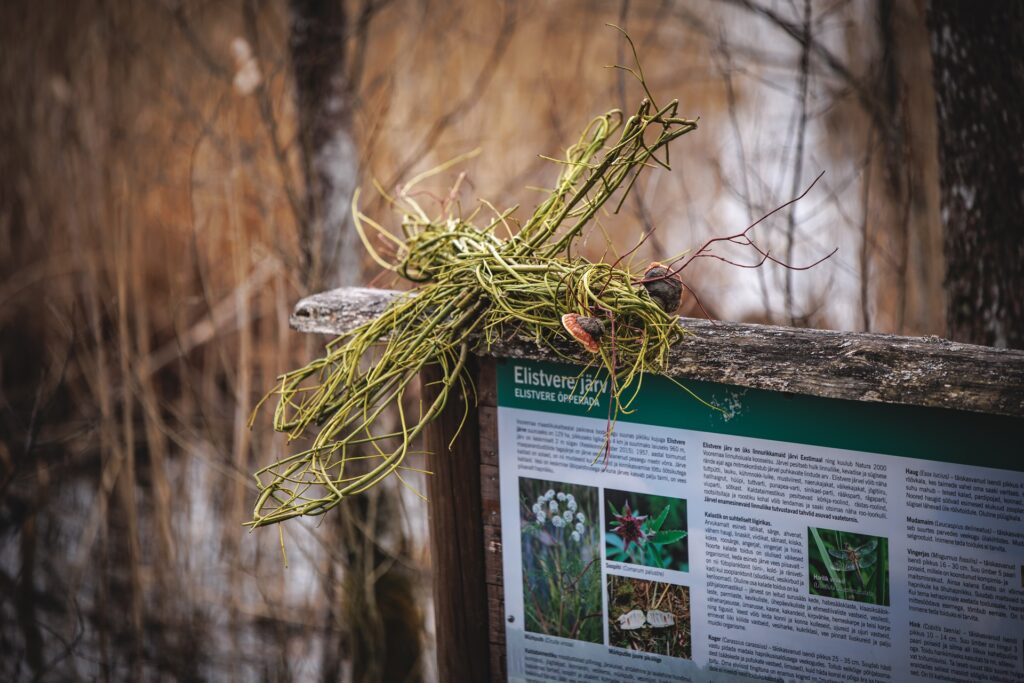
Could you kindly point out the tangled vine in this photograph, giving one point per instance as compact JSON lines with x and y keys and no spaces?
{"x":474,"y":286}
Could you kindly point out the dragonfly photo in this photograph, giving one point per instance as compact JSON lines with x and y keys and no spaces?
{"x":848,"y":566}
{"x":851,"y":559}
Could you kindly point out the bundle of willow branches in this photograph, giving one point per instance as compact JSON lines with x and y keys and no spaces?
{"x":473,"y":287}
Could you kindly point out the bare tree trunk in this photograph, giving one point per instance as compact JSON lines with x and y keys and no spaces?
{"x":329,"y":157}
{"x":374,"y":619}
{"x":978,"y":57}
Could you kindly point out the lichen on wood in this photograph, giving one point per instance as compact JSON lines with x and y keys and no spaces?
{"x":922,"y":371}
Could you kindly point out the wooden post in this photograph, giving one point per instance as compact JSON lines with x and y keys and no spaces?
{"x":490,"y":491}
{"x":456,"y":537}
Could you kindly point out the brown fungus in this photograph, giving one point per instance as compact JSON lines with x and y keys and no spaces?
{"x":586,"y":330}
{"x":664,"y":286}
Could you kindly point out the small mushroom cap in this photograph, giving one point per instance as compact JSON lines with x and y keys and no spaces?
{"x":592,"y":326}
{"x":664,"y":286}
{"x":658,"y":619}
{"x":574,"y":325}
{"x":632,"y":621}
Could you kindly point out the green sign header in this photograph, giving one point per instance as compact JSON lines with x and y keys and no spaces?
{"x":909,"y":431}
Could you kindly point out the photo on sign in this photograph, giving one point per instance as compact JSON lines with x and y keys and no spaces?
{"x":561,"y":559}
{"x":649,"y":616}
{"x":848,"y":566}
{"x":645,"y":529}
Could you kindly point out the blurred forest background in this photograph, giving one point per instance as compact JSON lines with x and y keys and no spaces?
{"x":175,"y":174}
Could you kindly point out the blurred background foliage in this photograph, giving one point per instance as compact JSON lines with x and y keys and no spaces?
{"x":175,"y":174}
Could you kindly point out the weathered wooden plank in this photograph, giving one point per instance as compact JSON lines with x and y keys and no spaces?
{"x":488,"y":415}
{"x":491,"y":508}
{"x":487,"y":386}
{"x":925,"y":371}
{"x":498,"y":654}
{"x":493,"y":552}
{"x":490,"y":490}
{"x":457,"y":541}
{"x":496,"y":611}
{"x":340,"y":310}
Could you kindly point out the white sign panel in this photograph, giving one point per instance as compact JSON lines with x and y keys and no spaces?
{"x":794,"y":539}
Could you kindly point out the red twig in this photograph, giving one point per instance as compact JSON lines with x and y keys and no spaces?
{"x":699,"y":303}
{"x":619,"y":260}
{"x":613,"y":394}
{"x":742,"y":239}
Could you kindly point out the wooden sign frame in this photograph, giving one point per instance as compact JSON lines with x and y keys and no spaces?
{"x":464,"y":508}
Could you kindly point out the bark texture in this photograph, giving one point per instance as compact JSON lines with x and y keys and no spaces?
{"x":329,"y":157}
{"x":372,"y":597}
{"x":924,"y":371}
{"x":978,"y":66}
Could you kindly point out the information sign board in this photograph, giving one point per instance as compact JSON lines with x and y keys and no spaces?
{"x":793,"y":538}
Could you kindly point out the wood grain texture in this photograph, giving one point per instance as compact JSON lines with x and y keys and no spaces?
{"x":491,"y":510}
{"x":457,"y":540}
{"x":339,"y":310}
{"x":924,"y":371}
